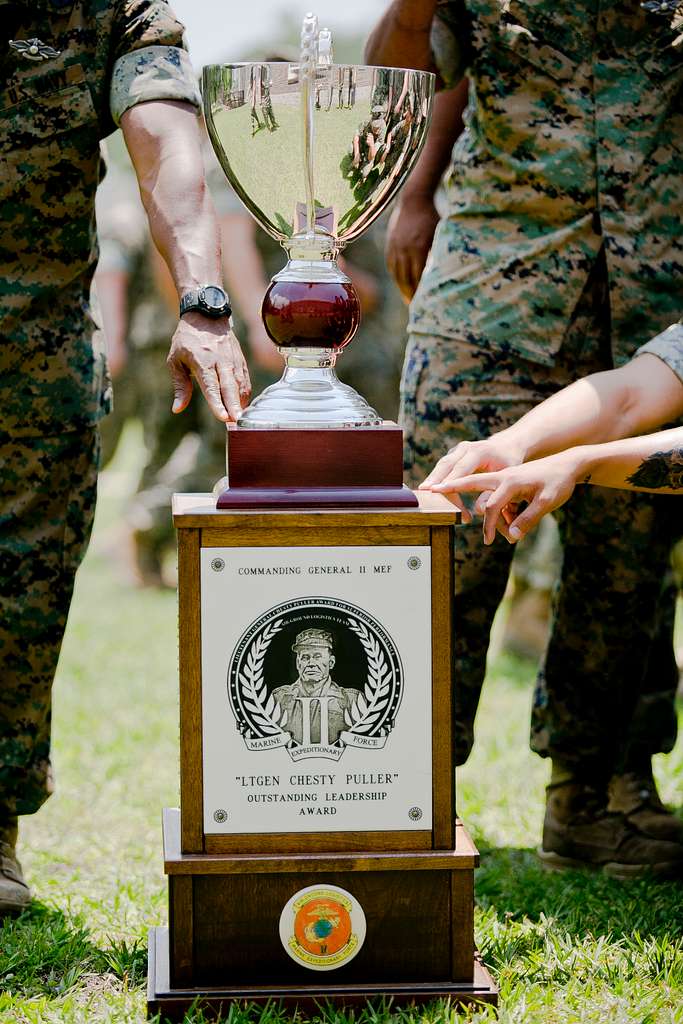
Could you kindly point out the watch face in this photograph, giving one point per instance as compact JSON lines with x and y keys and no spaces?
{"x":214,"y":297}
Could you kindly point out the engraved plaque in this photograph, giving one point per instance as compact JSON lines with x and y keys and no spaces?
{"x":316,"y":689}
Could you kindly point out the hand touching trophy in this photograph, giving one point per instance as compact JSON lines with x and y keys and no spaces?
{"x":315,"y":151}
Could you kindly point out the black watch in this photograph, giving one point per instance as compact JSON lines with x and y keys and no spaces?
{"x":210,"y":300}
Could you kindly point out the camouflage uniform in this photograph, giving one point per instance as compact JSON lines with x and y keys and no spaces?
{"x":53,"y":381}
{"x":559,"y":254}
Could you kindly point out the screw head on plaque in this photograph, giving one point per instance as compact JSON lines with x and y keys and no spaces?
{"x":316,"y":151}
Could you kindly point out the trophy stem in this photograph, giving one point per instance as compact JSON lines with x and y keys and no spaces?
{"x":308,"y":69}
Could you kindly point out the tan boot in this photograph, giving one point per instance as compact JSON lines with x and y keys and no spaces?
{"x":578,"y":831}
{"x":634,"y":794}
{"x":15,"y":895}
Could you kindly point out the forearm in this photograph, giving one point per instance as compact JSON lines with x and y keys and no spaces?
{"x":401,"y":37}
{"x":164,"y":143}
{"x":651,"y":463}
{"x":606,"y":406}
{"x":445,"y":128}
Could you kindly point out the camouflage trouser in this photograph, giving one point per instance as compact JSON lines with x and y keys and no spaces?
{"x":612,"y":625}
{"x":48,"y":488}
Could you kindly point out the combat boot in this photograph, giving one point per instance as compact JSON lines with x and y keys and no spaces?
{"x":634,"y":794}
{"x":578,"y":831}
{"x":15,"y":895}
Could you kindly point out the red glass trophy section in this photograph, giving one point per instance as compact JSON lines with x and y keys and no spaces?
{"x":299,"y":314}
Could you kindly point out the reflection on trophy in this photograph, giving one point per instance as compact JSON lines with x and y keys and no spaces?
{"x":315,"y":151}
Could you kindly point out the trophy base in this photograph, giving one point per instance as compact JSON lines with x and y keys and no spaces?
{"x":320,"y":497}
{"x":324,"y":468}
{"x":308,"y":397}
{"x":172,"y":1003}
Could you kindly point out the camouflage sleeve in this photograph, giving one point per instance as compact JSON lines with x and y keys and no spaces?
{"x":450,"y":40}
{"x":150,"y":58}
{"x":153,"y":73}
{"x":669,"y":347}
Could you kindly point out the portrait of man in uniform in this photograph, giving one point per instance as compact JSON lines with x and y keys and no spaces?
{"x":314,"y":702}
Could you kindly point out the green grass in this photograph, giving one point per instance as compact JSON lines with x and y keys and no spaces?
{"x":564,"y":948}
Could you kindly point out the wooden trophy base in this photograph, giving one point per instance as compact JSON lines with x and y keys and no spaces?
{"x":287,"y":836}
{"x":223,"y":945}
{"x":172,"y":1003}
{"x":316,"y":469}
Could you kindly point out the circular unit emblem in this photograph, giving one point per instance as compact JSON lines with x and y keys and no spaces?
{"x":322,"y":927}
{"x":315,"y":676}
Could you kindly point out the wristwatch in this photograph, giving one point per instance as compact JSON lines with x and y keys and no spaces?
{"x":210,"y":300}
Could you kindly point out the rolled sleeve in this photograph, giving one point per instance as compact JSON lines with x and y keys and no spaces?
{"x":668,"y":346}
{"x":152,"y":73}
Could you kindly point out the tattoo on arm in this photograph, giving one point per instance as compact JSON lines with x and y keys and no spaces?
{"x":661,"y":469}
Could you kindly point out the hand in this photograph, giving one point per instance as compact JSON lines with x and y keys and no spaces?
{"x":208,"y":350}
{"x":544,"y":484}
{"x":496,"y":452}
{"x":409,"y":239}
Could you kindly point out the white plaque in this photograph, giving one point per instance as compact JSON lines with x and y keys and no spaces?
{"x":316,"y":689}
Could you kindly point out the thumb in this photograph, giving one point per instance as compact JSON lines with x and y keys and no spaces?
{"x":182,"y":388}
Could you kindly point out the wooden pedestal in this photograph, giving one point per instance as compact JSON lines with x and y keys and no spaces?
{"x":219,"y":947}
{"x":316,"y":469}
{"x":411,"y":873}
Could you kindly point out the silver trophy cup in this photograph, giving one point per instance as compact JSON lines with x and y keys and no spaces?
{"x":315,"y":150}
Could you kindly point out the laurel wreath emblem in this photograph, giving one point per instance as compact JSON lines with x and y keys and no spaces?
{"x":264,"y":710}
{"x":368,"y":708}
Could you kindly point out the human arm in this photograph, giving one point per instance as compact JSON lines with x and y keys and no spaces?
{"x":633,"y":399}
{"x":652,"y":463}
{"x":165,"y":147}
{"x":414,"y":218}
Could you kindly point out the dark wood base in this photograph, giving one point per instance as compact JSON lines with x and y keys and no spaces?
{"x":173,"y":1003}
{"x":316,"y":469}
{"x":316,"y":497}
{"x":294,"y":457}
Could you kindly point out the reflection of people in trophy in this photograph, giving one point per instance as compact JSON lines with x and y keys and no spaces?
{"x":260,"y":96}
{"x":314,"y":703}
{"x":346,"y":88}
